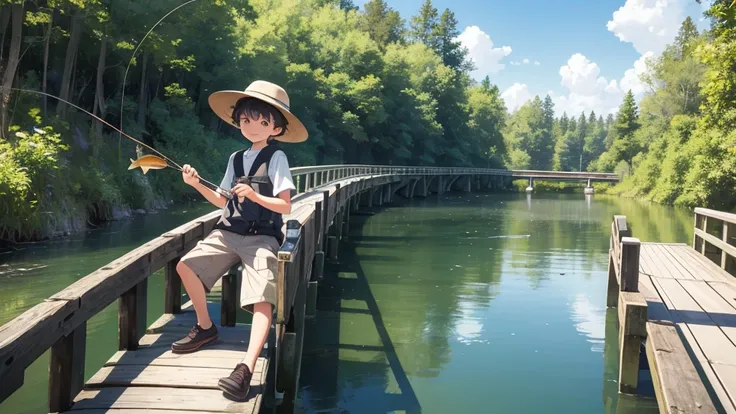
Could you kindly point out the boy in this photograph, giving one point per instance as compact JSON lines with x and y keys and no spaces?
{"x":250,"y":228}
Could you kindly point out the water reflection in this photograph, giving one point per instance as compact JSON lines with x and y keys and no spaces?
{"x":456,"y":303}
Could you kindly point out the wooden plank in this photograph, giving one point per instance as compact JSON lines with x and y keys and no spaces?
{"x":714,"y":270}
{"x":66,"y":369}
{"x":715,"y":241}
{"x":29,"y":335}
{"x":727,"y":375}
{"x":720,"y":215}
{"x":677,"y":383}
{"x":213,"y":356}
{"x":173,"y":288}
{"x":164,"y":376}
{"x":680,"y":255}
{"x":644,"y":261}
{"x":710,"y":374}
{"x":629,"y":279}
{"x":676,"y":269}
{"x":710,"y":338}
{"x":656,"y":310}
{"x":656,"y":266}
{"x":132,"y":316}
{"x":183,"y":399}
{"x":670,"y":269}
{"x":726,"y":290}
{"x":632,"y":317}
{"x":632,"y":313}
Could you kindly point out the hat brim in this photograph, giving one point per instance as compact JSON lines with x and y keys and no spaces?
{"x":223,"y":103}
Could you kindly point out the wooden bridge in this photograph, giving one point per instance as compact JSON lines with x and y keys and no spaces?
{"x":144,"y":375}
{"x":679,"y":301}
{"x":588,"y":177}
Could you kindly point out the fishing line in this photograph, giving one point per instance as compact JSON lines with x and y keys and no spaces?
{"x":176,"y":166}
{"x":122,"y":97}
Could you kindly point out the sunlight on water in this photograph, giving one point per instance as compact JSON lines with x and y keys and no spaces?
{"x":476,"y":303}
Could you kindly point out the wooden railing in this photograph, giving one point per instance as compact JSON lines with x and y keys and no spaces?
{"x":321,"y":207}
{"x":623,"y":292}
{"x":59,"y":323}
{"x":307,"y":178}
{"x":720,"y":249}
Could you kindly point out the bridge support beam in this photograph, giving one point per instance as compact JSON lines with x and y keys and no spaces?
{"x":588,"y":188}
{"x":531,"y":185}
{"x":468,"y":185}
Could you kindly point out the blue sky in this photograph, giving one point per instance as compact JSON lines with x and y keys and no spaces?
{"x":576,"y":43}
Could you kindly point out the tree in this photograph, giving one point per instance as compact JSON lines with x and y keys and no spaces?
{"x":450,"y":50}
{"x":685,"y":36}
{"x":625,"y":145}
{"x":16,"y":19}
{"x":528,"y":131}
{"x":383,"y":24}
{"x":564,"y":122}
{"x":423,"y":25}
{"x":348,"y":5}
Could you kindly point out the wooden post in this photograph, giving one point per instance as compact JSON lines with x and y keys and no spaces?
{"x":612,"y":296}
{"x":724,"y":256}
{"x":312,"y":289}
{"x":705,"y":229}
{"x":332,"y":247}
{"x":229,"y":297}
{"x":339,"y":223}
{"x":172,"y":303}
{"x":632,"y":319}
{"x":66,"y":369}
{"x":346,"y":227}
{"x":630,"y":264}
{"x":319,"y":254}
{"x":132,"y":316}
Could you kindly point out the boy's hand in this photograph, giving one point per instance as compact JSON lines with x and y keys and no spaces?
{"x":189,"y":175}
{"x":243,"y":191}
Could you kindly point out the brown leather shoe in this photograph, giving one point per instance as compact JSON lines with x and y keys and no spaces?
{"x":197,"y":338}
{"x":237,"y":384}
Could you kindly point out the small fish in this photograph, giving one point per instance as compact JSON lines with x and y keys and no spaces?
{"x":148,"y":162}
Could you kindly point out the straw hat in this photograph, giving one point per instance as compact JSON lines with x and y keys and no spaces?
{"x":223,"y":103}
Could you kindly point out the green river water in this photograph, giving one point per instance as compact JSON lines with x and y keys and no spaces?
{"x":465,"y":303}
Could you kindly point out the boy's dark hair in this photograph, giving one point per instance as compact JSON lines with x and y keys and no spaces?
{"x":256,"y":108}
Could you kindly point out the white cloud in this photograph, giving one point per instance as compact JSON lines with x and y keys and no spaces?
{"x":649,"y":25}
{"x":587,"y":90}
{"x":580,"y":76}
{"x":526,"y":61}
{"x":487,"y":58}
{"x":515,"y":96}
{"x":631,"y":79}
{"x":515,"y":63}
{"x":536,"y":62}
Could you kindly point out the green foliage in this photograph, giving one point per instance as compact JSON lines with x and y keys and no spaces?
{"x":530,"y":130}
{"x":29,"y":175}
{"x":368,"y":90}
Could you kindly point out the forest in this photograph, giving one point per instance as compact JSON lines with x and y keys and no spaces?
{"x":371,"y":86}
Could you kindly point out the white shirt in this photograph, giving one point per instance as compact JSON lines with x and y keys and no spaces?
{"x":278,"y":171}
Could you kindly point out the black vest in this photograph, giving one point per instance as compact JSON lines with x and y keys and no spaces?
{"x":250,"y":218}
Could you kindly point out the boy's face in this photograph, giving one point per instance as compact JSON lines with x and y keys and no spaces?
{"x":257,"y":130}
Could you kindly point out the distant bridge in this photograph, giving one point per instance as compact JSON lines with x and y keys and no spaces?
{"x":565,"y":176}
{"x":441,"y":179}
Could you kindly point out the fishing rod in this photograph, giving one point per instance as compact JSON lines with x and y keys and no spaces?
{"x":125,"y":76}
{"x":145,"y":162}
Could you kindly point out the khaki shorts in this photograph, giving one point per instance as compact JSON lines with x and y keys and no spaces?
{"x":212,"y":257}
